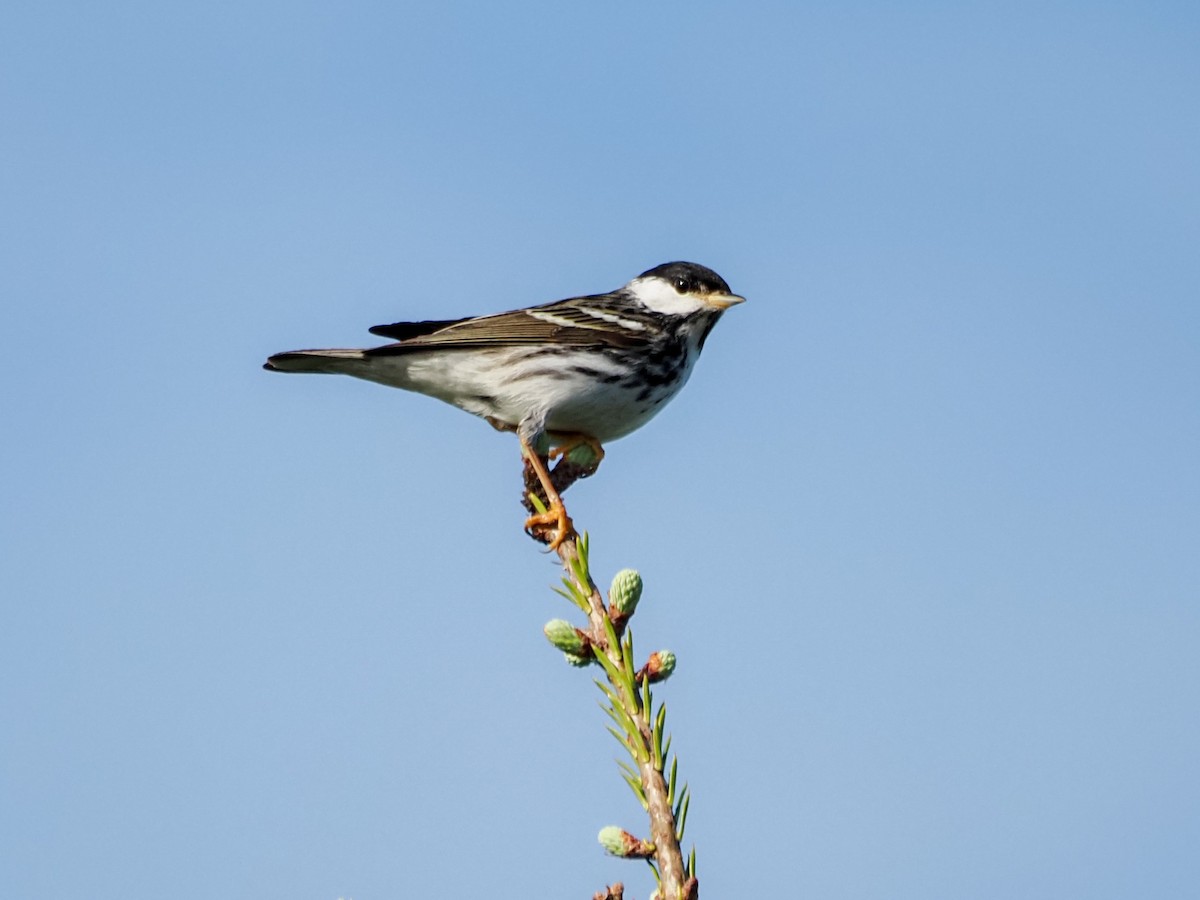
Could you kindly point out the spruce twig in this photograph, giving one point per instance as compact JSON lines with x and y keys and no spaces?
{"x":636,"y":724}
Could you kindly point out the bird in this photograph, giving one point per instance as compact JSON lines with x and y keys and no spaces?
{"x":581,"y":371}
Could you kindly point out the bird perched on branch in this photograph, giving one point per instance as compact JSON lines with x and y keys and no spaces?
{"x":585,"y":370}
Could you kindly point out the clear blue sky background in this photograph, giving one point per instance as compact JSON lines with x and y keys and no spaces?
{"x":924,"y":529}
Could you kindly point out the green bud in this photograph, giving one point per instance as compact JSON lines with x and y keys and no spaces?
{"x":658,"y":667}
{"x":579,"y":661}
{"x":625,"y":592}
{"x":584,"y":455}
{"x":620,"y":842}
{"x":566,"y":637}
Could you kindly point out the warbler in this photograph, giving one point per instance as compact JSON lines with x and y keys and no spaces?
{"x":587,"y":369}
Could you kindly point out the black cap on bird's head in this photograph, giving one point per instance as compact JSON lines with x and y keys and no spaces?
{"x":689,"y":278}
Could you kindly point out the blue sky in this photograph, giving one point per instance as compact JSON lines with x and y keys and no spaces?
{"x":922,"y":529}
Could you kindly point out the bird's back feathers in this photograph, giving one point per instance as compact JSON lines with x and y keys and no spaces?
{"x":595,"y":321}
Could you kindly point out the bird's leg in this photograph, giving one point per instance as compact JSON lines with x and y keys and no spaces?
{"x":569,"y":468}
{"x":556,"y":513}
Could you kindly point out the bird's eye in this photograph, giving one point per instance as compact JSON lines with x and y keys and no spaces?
{"x":681,"y":284}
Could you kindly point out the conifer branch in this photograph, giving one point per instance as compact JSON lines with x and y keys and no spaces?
{"x":637,"y":724}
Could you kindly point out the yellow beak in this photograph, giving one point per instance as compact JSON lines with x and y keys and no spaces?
{"x":723,"y":301}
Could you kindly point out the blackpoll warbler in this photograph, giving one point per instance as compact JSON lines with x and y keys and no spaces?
{"x":582,"y":370}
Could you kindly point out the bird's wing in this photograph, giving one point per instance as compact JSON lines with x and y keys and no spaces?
{"x":580,"y":321}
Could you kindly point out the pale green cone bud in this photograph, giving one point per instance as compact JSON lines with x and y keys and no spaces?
{"x":579,"y":661}
{"x":658,"y":667}
{"x":625,"y":592}
{"x":620,"y":842}
{"x":584,"y":455}
{"x":566,"y":637}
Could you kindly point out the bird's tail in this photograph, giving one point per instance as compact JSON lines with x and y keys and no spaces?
{"x":330,"y":362}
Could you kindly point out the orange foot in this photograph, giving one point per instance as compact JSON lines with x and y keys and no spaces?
{"x":557,"y":516}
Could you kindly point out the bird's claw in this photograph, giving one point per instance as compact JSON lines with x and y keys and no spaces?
{"x":538,"y":526}
{"x":548,"y":521}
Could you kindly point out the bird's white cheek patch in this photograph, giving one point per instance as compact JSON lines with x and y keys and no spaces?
{"x":661,"y":297}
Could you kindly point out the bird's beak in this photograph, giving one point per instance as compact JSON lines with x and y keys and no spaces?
{"x":723,"y":301}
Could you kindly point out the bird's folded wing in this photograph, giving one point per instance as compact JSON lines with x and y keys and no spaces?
{"x":573,"y":322}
